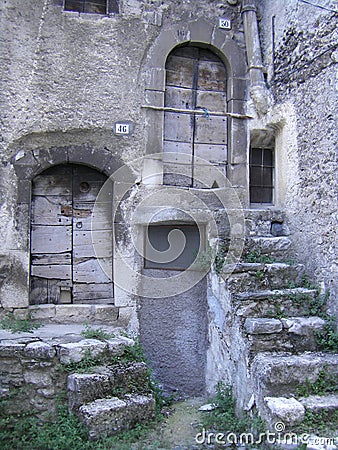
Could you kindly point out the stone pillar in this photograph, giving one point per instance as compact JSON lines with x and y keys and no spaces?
{"x":254,"y":58}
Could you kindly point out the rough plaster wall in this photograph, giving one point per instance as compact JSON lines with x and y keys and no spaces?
{"x":173,"y":332}
{"x":65,"y":71}
{"x":305,"y":75}
{"x":77,"y":72}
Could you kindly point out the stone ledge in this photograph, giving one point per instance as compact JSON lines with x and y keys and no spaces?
{"x":81,"y":313}
{"x":72,"y":351}
{"x":268,"y":294}
{"x":320,"y":402}
{"x":77,"y":351}
{"x":302,"y":326}
{"x":270,"y":245}
{"x":279,"y":375}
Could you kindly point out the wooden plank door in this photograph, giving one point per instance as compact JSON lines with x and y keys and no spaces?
{"x":64,"y":263}
{"x":90,"y":283}
{"x":195,"y":81}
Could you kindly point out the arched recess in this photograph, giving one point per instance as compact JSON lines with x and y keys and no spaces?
{"x":30,"y":163}
{"x":65,"y":265}
{"x":207,"y":35}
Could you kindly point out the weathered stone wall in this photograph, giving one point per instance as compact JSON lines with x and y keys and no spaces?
{"x":302,"y":72}
{"x":69,"y":77}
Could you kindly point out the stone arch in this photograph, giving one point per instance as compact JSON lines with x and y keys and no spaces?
{"x":203,"y":33}
{"x":28,"y":163}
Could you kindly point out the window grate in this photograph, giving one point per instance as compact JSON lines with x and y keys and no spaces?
{"x":92,"y":6}
{"x":261,"y":175}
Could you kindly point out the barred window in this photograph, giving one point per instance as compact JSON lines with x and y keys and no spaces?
{"x":261,"y":175}
{"x":92,"y":6}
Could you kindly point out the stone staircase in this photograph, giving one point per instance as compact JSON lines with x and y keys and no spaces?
{"x":108,"y":386}
{"x":111,"y":398}
{"x":272,"y":323}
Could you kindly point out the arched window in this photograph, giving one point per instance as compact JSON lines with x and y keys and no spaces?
{"x":195,"y":124}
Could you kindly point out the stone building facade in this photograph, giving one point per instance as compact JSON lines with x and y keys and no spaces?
{"x":181,"y":103}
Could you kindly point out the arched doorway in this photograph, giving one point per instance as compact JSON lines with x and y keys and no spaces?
{"x":65,"y":266}
{"x":195,"y":122}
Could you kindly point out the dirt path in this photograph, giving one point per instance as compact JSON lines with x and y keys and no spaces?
{"x":178,"y":431}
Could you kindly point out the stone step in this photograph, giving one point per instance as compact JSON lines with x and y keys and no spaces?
{"x":103,"y":381}
{"x":260,"y":276}
{"x":291,"y":411}
{"x":78,"y":314}
{"x":279,"y":248}
{"x":109,"y":416}
{"x":292,"y":334}
{"x":280,"y":375}
{"x":265,"y":222}
{"x":76,"y":351}
{"x":317,"y":403}
{"x":275,"y":302}
{"x":287,"y":411}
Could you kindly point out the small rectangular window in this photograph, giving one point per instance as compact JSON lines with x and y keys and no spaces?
{"x":164,"y":250}
{"x":92,"y":6}
{"x":261,"y":175}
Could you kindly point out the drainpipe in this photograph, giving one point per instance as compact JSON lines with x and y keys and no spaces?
{"x":258,"y":89}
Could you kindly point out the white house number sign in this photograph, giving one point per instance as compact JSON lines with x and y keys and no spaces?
{"x":224,"y":23}
{"x":122,"y":128}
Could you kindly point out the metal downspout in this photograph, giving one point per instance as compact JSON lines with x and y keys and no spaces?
{"x":258,"y":89}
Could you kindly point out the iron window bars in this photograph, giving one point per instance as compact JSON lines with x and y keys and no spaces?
{"x":92,"y":6}
{"x":261,"y":175}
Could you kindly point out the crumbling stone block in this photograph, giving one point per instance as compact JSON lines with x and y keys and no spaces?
{"x":76,"y":351}
{"x":111,"y":415}
{"x":86,"y":387}
{"x":39,"y":350}
{"x":117,"y":345}
{"x":287,"y":410}
{"x":263,"y":326}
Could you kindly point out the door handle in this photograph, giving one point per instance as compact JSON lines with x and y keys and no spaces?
{"x":79,"y":225}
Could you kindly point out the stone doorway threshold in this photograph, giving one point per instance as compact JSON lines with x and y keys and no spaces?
{"x":57,"y":333}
